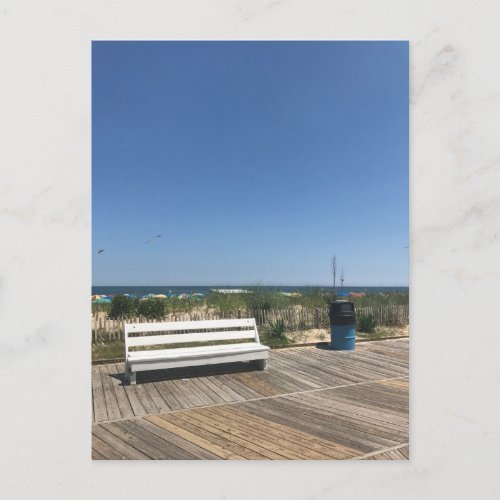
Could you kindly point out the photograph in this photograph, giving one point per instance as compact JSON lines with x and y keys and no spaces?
{"x":250,"y":250}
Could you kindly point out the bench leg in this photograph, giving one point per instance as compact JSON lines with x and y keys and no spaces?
{"x":261,"y":364}
{"x":132,"y":377}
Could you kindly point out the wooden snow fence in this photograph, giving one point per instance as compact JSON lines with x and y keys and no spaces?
{"x":295,"y":318}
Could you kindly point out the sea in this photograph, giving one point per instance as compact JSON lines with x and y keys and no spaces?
{"x":140,"y":291}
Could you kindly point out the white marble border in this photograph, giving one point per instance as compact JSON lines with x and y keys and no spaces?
{"x":45,"y":247}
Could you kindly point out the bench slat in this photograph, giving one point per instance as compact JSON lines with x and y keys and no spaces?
{"x":189,"y":337}
{"x":188,"y":325}
{"x":196,"y":351}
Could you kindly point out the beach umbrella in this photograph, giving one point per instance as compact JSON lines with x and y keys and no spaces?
{"x":170,"y":295}
{"x":103,"y":300}
{"x":159,"y":296}
{"x":184,"y":296}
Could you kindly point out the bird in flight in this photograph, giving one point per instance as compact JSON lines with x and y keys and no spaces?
{"x":99,"y":252}
{"x":153,"y":239}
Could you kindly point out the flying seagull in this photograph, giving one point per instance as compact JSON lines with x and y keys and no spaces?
{"x":153,"y":239}
{"x":99,"y":252}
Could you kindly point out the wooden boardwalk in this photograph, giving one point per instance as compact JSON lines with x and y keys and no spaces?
{"x":310,"y":404}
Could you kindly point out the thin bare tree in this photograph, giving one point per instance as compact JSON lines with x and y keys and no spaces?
{"x":334,"y":271}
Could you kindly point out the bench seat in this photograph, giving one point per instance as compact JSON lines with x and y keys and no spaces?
{"x":195,"y":352}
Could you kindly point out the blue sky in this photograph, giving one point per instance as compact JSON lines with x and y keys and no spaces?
{"x":256,"y":161}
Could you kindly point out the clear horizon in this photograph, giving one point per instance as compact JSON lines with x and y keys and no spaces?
{"x":256,"y":162}
{"x":240,"y":285}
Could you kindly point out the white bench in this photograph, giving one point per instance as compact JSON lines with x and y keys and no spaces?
{"x":174,"y":357}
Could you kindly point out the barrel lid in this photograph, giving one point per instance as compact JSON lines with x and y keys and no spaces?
{"x":342,"y":307}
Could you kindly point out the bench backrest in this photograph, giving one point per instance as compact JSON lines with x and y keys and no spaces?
{"x":220,"y":329}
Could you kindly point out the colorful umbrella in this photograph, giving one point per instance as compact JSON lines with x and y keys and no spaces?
{"x":103,"y":300}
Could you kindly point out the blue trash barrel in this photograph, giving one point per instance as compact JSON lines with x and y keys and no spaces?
{"x":343,"y":325}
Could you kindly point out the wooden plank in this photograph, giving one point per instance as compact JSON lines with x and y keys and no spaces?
{"x":370,"y":397}
{"x":206,"y":394}
{"x":121,"y":396}
{"x":109,"y":394}
{"x":220,"y":451}
{"x":352,"y":421}
{"x":100,"y":411}
{"x":348,"y":426}
{"x":238,"y":387}
{"x":188,"y":325}
{"x":284,"y":433}
{"x":282,"y":382}
{"x":183,"y":338}
{"x":166,"y":393}
{"x":177,"y":440}
{"x":226,"y":389}
{"x":249,"y":439}
{"x":165,"y":441}
{"x":287,"y":373}
{"x":143,"y":431}
{"x":106,"y":451}
{"x":126,"y":431}
{"x":401,"y":453}
{"x":253,"y":381}
{"x":97,"y":456}
{"x":327,"y":426}
{"x":216,"y":392}
{"x":192,"y":390}
{"x":353,"y":411}
{"x":117,"y":444}
{"x":180,"y":397}
{"x":316,"y":372}
{"x":134,"y":401}
{"x":145,"y":399}
{"x":243,"y":447}
{"x":157,"y":398}
{"x":273,"y":440}
{"x":309,"y":424}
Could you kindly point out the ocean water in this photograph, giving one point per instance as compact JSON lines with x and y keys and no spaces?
{"x":140,"y":291}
